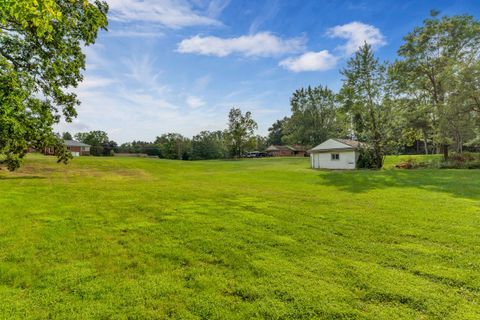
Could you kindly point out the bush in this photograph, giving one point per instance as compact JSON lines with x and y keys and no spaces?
{"x":459,"y":165}
{"x":412,"y":163}
{"x":463,"y":157}
{"x":464,"y":160}
{"x":367,"y":159}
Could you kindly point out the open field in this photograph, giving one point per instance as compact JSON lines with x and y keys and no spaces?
{"x":261,"y":238}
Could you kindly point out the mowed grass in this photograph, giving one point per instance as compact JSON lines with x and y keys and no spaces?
{"x":128,"y":238}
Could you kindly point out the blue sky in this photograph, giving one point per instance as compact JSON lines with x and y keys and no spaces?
{"x":179,"y":65}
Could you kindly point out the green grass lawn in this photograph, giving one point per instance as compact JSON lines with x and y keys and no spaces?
{"x":132,"y":238}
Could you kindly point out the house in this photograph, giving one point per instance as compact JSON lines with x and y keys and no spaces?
{"x":77,"y":148}
{"x":335,"y":154}
{"x":286,"y":151}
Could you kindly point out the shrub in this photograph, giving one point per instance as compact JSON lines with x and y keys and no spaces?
{"x":464,"y":160}
{"x":412,"y":163}
{"x":462,"y":157}
{"x":367,"y":159}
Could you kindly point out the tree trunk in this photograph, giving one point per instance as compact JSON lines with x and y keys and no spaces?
{"x":425,"y":141}
{"x":445,"y":151}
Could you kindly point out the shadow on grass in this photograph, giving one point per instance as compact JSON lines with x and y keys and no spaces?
{"x":459,"y":183}
{"x":22,"y":178}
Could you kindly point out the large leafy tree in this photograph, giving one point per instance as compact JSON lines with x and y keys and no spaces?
{"x":174,"y":146}
{"x":93,"y":138}
{"x":241,"y":128}
{"x":365,"y":94}
{"x":40,"y":60}
{"x":67,"y":136}
{"x":435,"y":64}
{"x":276,"y":132}
{"x":209,"y":145}
{"x":315,"y":117}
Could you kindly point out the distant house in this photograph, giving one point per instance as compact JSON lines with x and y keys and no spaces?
{"x":335,"y":154}
{"x":77,"y":148}
{"x":286,"y":151}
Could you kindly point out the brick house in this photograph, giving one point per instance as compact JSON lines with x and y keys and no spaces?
{"x":286,"y":151}
{"x":77,"y":148}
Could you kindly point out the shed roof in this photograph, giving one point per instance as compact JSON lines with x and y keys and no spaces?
{"x":73,"y":143}
{"x":352,"y":143}
{"x":337,"y":144}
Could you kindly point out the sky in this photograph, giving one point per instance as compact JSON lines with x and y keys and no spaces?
{"x":181,"y":65}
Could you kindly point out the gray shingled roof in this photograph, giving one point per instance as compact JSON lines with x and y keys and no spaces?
{"x":278,"y":148}
{"x":352,"y":143}
{"x":349,"y":145}
{"x":73,"y":143}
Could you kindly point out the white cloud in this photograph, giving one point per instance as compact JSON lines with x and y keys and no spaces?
{"x":169,"y":13}
{"x":200,"y":84}
{"x":195,"y":102}
{"x":94,"y":82}
{"x":356,"y":33}
{"x":263,"y":44}
{"x":135,"y":34}
{"x":310,"y":61}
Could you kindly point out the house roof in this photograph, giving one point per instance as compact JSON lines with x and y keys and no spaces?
{"x":278,"y":148}
{"x":295,"y":147}
{"x":337,"y":144}
{"x":73,"y":143}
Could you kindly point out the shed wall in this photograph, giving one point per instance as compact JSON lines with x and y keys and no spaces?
{"x":323,"y":160}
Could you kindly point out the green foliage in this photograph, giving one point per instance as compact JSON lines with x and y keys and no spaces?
{"x":240,"y":132}
{"x":174,"y":146}
{"x":276,"y":132}
{"x":67,"y":136}
{"x":209,"y":145}
{"x":252,"y":239}
{"x":141,"y":147}
{"x":315,"y":117}
{"x":93,"y":138}
{"x":439,"y":70}
{"x":367,"y":159}
{"x":40,"y":59}
{"x":99,"y":142}
{"x":365,"y":95}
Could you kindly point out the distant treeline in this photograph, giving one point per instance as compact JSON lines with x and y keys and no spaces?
{"x":233,"y":142}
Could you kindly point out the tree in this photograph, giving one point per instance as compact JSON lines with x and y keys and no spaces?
{"x":260,"y":143}
{"x":365,"y":96}
{"x":40,"y":60}
{"x":433,"y":57}
{"x":93,"y":138}
{"x":209,"y":145}
{"x":315,"y":117}
{"x":276,"y":132}
{"x":67,"y":136}
{"x":416,"y":120}
{"x":148,"y":148}
{"x":174,"y":146}
{"x":241,"y":128}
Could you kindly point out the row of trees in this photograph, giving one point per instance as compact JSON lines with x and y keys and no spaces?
{"x":233,"y":142}
{"x":430,"y":93}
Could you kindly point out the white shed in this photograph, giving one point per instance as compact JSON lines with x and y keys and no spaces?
{"x":335,"y":154}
